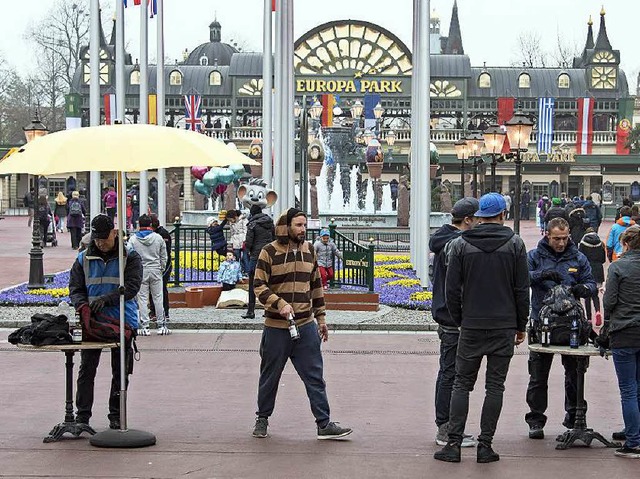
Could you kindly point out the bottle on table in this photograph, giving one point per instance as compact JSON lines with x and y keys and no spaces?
{"x":293,"y":328}
{"x":545,"y":333}
{"x":75,"y":328}
{"x":574,"y":335}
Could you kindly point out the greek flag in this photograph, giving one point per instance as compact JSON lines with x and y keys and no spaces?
{"x":545,"y":124}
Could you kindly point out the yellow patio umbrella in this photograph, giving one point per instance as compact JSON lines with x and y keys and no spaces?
{"x":126,"y":148}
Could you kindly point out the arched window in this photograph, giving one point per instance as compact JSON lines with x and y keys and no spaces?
{"x":215,"y":78}
{"x":175,"y":78}
{"x":484,"y":80}
{"x":564,"y":81}
{"x":204,"y":61}
{"x":524,"y":80}
{"x":134,"y":78}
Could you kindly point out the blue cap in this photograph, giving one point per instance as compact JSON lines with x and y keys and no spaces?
{"x":491,"y":204}
{"x":324,"y":232}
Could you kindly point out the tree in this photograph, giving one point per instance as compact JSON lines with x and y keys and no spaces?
{"x":530,"y":53}
{"x":565,"y":52}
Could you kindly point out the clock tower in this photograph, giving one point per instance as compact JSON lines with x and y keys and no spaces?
{"x":602,"y":62}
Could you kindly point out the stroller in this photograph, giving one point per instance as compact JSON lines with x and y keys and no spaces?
{"x":50,"y":234}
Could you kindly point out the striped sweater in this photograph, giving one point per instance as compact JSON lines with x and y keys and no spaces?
{"x":287,"y":276}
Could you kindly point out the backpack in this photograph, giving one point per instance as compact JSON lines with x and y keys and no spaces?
{"x":75,"y":209}
{"x":101,"y":328}
{"x":560,"y":309}
{"x":43,"y":214}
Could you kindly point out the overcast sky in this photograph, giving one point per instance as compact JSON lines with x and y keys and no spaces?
{"x":489,"y":27}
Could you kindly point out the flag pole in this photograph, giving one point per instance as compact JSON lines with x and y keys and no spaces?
{"x":162,"y":190}
{"x":277,"y":105}
{"x":267,"y":103}
{"x":95,"y":202}
{"x":143,"y":190}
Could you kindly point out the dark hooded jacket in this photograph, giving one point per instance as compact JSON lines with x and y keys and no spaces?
{"x":260,"y":232}
{"x":593,"y":248}
{"x":571,"y":264}
{"x":287,"y":274}
{"x":487,"y":285}
{"x":437,"y":245}
{"x":556,"y":212}
{"x":578,"y":224}
{"x":594,"y":214}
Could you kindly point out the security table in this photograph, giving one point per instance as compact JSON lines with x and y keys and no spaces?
{"x":580,"y":431}
{"x":69,"y":424}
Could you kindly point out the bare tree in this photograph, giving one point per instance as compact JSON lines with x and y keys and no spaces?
{"x":15,"y":97}
{"x":529,"y":51}
{"x":564,"y":52}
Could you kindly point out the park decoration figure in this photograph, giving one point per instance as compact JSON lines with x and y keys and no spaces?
{"x":315,"y":152}
{"x":255,"y":153}
{"x":256,"y":193}
{"x":374,"y":158}
{"x":434,"y":161}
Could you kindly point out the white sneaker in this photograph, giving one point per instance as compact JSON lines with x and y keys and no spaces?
{"x":144,"y":332}
{"x":164,"y":331}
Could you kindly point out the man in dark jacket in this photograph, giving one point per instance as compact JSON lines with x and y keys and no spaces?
{"x":99,"y":264}
{"x":556,"y":211}
{"x":440,"y":244}
{"x":594,"y":213}
{"x":260,"y":232}
{"x":487,"y":291}
{"x":556,"y":260}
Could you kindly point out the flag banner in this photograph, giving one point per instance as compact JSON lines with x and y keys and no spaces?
{"x":545,"y":124}
{"x":137,"y":2}
{"x":505,"y":113}
{"x":370,"y":102}
{"x":328,"y":102}
{"x":73,"y":122}
{"x":625,"y":114}
{"x":153,"y":112}
{"x":584,"y":139}
{"x":154,"y":7}
{"x":109,"y":108}
{"x":193,"y":117}
{"x":273,"y":5}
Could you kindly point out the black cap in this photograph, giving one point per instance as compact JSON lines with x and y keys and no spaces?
{"x":101,"y":227}
{"x":465,"y":207}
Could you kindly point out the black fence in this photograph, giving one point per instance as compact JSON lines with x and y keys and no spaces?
{"x":388,"y":242}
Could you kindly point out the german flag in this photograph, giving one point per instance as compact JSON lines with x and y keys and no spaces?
{"x":328,"y":102}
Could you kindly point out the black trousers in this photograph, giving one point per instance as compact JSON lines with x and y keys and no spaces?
{"x":276,"y":348}
{"x":89,"y":360}
{"x":252,"y":294}
{"x":76,"y":236}
{"x":497,"y":345}
{"x":446,"y":374}
{"x":537,"y":397}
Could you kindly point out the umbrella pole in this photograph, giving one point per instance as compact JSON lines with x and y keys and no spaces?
{"x":123,"y":437}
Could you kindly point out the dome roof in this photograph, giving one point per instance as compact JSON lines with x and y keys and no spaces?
{"x":214,"y":50}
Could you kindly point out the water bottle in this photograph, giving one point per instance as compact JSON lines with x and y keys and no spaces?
{"x":574,"y":335}
{"x":293,"y":329}
{"x":64,"y":310}
{"x":545,"y":340}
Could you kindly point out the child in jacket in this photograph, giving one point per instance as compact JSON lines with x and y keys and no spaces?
{"x":229,"y":273}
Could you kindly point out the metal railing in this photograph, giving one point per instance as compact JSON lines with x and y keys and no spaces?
{"x":195,"y":262}
{"x":388,"y":242}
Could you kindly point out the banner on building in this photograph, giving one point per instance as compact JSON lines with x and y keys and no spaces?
{"x":72,"y":112}
{"x":109,"y":108}
{"x":370,"y":102}
{"x":625,"y":114}
{"x":193,"y":116}
{"x":153,"y":112}
{"x":545,"y":124}
{"x":328,"y":102}
{"x":505,"y":113}
{"x":584,"y":139}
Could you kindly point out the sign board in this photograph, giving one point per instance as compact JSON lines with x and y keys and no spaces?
{"x":356,"y":260}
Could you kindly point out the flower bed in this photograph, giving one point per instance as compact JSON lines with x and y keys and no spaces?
{"x":394,"y":279}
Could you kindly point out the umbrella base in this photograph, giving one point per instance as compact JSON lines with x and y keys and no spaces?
{"x":117,"y":438}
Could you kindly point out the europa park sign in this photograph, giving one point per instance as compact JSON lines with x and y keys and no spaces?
{"x":349,"y":86}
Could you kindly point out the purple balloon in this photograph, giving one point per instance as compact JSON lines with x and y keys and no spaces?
{"x":220,"y":189}
{"x":198,"y":171}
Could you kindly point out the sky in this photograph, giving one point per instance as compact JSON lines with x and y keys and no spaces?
{"x":490,"y":28}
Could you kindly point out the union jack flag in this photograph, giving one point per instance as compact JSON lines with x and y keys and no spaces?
{"x":193,"y":117}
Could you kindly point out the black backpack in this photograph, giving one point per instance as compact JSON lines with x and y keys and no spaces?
{"x":75,"y":209}
{"x":560,"y":309}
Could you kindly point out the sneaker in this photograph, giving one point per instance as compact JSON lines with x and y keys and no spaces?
{"x":619,"y":436}
{"x":630,"y":452}
{"x":333,"y":431}
{"x":260,"y":429}
{"x":598,"y":319}
{"x":486,"y":454}
{"x":449,"y":453}
{"x":144,"y":332}
{"x":536,"y":432}
{"x":248,"y":315}
{"x":114,"y":423}
{"x":164,"y":331}
{"x":468,"y":441}
{"x":442,"y":436}
{"x":82,"y":420}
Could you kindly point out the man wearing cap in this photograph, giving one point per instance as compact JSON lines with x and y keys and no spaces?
{"x":93,"y":283}
{"x":288,"y":284}
{"x":440,"y":244}
{"x":326,"y":252}
{"x":556,"y":211}
{"x":487,"y":292}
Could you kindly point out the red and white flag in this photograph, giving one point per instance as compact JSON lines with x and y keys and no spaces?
{"x":584,"y":139}
{"x":506,"y":106}
{"x":109,"y":108}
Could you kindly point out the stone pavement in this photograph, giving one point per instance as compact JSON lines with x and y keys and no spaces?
{"x":196,"y":393}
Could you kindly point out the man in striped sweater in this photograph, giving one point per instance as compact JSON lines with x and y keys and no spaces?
{"x":287,"y":282}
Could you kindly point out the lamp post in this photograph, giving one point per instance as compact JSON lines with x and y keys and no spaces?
{"x":34,"y":130}
{"x":462,"y":152}
{"x":518,"y":131}
{"x":378,"y":111}
{"x":390,"y":138}
{"x":301,"y":112}
{"x":493,"y":140}
{"x":474,"y":143}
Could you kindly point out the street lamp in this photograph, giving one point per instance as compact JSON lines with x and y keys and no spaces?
{"x":378,"y":111}
{"x":301,"y":112}
{"x":474,"y":144}
{"x":34,"y":130}
{"x":518,"y":132}
{"x":390,"y":138}
{"x":356,"y":109}
{"x":494,"y":138}
{"x":462,"y":152}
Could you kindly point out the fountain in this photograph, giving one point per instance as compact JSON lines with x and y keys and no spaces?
{"x":387,"y":205}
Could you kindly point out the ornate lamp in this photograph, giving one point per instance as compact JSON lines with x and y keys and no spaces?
{"x":518,"y":131}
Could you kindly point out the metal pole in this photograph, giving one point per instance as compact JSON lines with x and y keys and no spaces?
{"x":516,"y":211}
{"x":277,"y":107}
{"x":462,"y":178}
{"x":36,"y":267}
{"x":162,"y":192}
{"x":287,"y":105}
{"x":143,"y":186}
{"x":95,"y":202}
{"x":267,"y":100}
{"x":120,"y":84}
{"x":475,"y":176}
{"x":304,"y":169}
{"x":493,"y":172}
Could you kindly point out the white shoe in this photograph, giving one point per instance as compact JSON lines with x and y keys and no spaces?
{"x":144,"y":332}
{"x":164,"y":331}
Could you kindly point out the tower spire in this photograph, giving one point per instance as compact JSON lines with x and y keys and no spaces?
{"x":602,"y":43}
{"x":589,"y":45}
{"x":454,"y":42}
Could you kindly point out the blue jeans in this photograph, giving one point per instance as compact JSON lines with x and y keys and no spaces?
{"x":627,"y":364}
{"x":243,"y":257}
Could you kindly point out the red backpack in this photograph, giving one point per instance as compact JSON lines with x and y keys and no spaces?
{"x":101,"y":328}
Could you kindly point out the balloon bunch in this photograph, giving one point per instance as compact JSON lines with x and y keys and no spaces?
{"x":210,"y":180}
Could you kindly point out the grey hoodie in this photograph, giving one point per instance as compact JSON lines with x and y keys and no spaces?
{"x":151,"y":248}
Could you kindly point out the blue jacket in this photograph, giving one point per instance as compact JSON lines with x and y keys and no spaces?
{"x":94,"y":274}
{"x":229,"y":272}
{"x":571,"y":264}
{"x":614,"y":247}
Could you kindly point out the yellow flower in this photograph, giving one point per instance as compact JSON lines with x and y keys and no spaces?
{"x":204,"y":261}
{"x":406,"y":283}
{"x":387,"y":258}
{"x":421,"y":296}
{"x":56,"y":292}
{"x":396,"y":266}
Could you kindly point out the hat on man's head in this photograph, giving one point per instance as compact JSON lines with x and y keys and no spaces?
{"x":491,"y":204}
{"x":101,"y":227}
{"x":325,"y":232}
{"x":556,"y":201}
{"x":465,"y":207}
